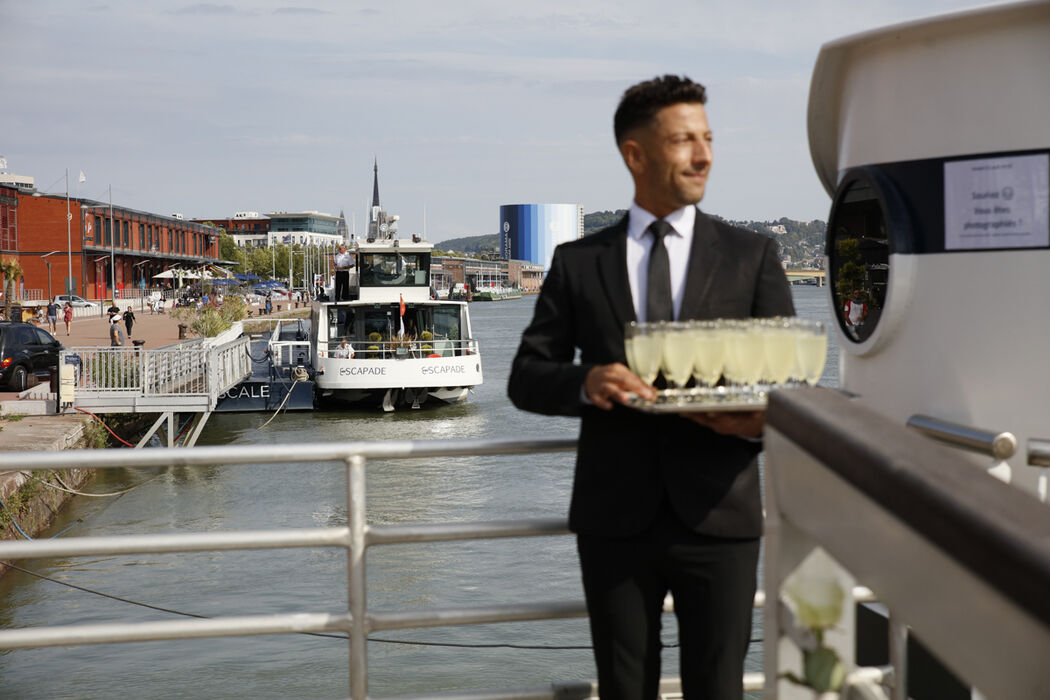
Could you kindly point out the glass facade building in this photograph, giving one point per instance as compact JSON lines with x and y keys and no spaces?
{"x":532,"y":231}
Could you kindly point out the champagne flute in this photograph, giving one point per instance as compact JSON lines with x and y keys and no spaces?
{"x":676,"y":358}
{"x":781,"y":349}
{"x":642,"y":348}
{"x":709,"y":352}
{"x":745,"y":356}
{"x":812,"y":344}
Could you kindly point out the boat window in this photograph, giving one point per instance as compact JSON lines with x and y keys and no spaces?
{"x":340,"y":322}
{"x":446,"y":322}
{"x":394,"y":269}
{"x":381,"y":321}
{"x":858,"y":253}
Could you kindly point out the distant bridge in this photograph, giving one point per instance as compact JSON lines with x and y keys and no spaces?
{"x":794,"y":275}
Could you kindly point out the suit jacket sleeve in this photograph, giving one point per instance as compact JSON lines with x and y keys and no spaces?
{"x":543,"y":377}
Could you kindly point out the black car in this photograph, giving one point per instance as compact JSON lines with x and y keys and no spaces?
{"x":26,"y":350}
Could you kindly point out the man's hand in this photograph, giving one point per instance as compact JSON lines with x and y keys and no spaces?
{"x":742,"y":424}
{"x":614,"y":383}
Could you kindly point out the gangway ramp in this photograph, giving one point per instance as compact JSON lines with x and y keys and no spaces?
{"x":185,"y":377}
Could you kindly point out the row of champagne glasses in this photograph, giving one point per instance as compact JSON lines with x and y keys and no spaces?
{"x":746,"y":353}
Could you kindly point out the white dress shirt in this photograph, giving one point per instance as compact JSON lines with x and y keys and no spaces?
{"x":678,"y":243}
{"x":342,"y":261}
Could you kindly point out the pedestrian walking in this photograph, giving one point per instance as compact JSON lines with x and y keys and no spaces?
{"x":129,"y":320}
{"x":116,"y":333}
{"x":67,"y":316}
{"x":52,"y":316}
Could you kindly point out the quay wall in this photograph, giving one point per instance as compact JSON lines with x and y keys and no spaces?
{"x":33,"y":499}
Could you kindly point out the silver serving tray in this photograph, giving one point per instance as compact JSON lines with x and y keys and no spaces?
{"x":713,"y":400}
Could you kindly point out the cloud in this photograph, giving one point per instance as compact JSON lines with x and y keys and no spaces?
{"x":206,"y":8}
{"x":300,"y":11}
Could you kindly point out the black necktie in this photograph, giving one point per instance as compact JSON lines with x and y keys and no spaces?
{"x":658,"y":304}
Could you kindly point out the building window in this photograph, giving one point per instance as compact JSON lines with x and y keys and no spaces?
{"x":127,"y":235}
{"x":108,"y":240}
{"x":142,"y":236}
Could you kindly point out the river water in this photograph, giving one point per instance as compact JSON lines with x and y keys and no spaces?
{"x":282,"y":581}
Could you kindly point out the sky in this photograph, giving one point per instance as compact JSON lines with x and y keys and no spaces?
{"x":208,"y":109}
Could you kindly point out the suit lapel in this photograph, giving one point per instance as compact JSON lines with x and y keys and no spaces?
{"x":704,"y":259}
{"x":612,"y":270}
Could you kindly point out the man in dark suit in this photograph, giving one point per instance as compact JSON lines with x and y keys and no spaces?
{"x":660,"y":502}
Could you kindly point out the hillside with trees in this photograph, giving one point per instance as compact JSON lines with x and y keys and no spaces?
{"x":801,"y":242}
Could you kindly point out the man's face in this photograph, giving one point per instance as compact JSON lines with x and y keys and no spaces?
{"x":670,"y":158}
{"x":342,"y":249}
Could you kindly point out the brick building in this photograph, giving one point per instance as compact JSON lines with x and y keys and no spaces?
{"x":102,"y":258}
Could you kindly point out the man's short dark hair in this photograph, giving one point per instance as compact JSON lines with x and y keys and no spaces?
{"x":641,"y":102}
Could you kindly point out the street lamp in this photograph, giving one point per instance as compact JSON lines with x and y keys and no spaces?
{"x":50,"y":294}
{"x":112,"y":242}
{"x":143,"y":279}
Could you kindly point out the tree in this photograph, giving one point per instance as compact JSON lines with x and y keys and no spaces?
{"x":11,"y":270}
{"x":228,"y":248}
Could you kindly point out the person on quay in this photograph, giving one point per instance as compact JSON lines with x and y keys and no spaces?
{"x":116,"y":333}
{"x":660,"y":502}
{"x":67,"y":316}
{"x":52,"y":316}
{"x":113,"y":310}
{"x":343,"y":262}
{"x":129,"y":320}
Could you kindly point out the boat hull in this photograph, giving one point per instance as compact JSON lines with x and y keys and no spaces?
{"x":410,"y":381}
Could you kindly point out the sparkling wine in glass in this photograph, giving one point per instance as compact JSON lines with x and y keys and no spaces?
{"x":709,"y":352}
{"x":779,"y":341}
{"x":812,"y":344}
{"x":643,"y":350}
{"x":745,"y":355}
{"x":677,"y":357}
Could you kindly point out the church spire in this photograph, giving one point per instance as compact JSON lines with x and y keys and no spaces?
{"x":375,"y":184}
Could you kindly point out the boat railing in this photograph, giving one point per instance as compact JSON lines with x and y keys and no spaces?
{"x":400,"y":349}
{"x":960,"y":560}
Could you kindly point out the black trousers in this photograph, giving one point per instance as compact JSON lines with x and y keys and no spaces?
{"x":342,"y":285}
{"x":713,"y":583}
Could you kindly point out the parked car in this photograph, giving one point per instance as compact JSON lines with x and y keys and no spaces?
{"x":73,"y":299}
{"x":26,"y":350}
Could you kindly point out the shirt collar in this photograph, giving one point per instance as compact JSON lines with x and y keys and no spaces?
{"x":681,"y":220}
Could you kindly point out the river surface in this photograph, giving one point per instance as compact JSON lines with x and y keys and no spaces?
{"x":283,"y":581}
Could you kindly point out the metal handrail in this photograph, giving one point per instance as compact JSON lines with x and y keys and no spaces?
{"x":355,"y":538}
{"x":1000,"y":445}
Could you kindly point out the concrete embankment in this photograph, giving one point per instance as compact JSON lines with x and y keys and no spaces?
{"x":32,"y":499}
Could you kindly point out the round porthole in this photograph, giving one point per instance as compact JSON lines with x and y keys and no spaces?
{"x":867,"y":215}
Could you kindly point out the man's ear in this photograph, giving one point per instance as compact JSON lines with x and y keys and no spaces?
{"x":633,"y":155}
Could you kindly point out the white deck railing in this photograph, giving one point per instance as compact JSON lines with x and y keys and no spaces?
{"x":188,"y":376}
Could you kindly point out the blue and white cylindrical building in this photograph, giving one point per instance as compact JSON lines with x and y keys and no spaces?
{"x":532,"y":231}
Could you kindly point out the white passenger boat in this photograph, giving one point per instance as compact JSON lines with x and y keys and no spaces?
{"x":408,"y":347}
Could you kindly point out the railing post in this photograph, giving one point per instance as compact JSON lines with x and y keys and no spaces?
{"x":898,"y":647}
{"x":355,"y":513}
